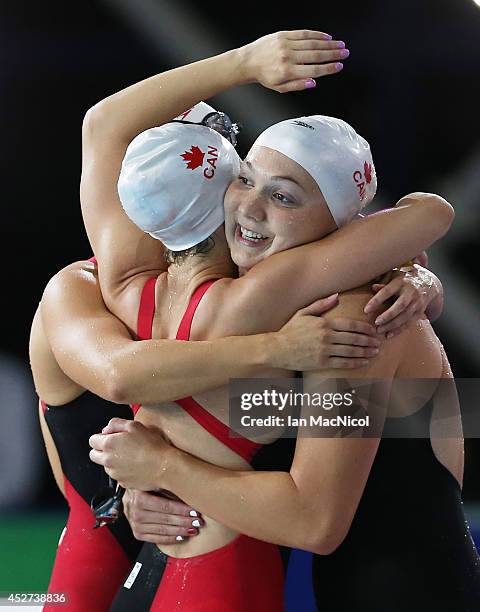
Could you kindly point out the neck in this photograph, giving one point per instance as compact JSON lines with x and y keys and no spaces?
{"x":199,"y":268}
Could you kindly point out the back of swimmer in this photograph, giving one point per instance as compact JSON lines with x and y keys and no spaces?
{"x":408,"y":546}
{"x":90,"y":564}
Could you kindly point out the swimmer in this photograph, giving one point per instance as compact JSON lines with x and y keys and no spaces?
{"x":224,"y":312}
{"x":91,"y":565}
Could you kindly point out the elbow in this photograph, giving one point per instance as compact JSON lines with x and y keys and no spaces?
{"x":94,"y":118}
{"x":439,"y":214}
{"x":89,"y":122}
{"x":328,"y":536}
{"x":326,"y":544}
{"x":116,"y":388}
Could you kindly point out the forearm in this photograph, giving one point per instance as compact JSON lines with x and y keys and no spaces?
{"x":392,"y":236}
{"x":264,"y":505}
{"x":163,"y":370}
{"x":349,"y":257}
{"x":160,"y":98}
{"x":414,"y":223}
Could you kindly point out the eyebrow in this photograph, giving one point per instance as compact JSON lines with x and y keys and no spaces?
{"x":275,"y":178}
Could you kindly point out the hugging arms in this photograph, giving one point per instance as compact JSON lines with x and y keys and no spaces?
{"x":127,"y":256}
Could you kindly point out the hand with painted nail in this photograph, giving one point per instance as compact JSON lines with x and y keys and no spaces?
{"x":160,"y":520}
{"x":418,"y":293}
{"x":132,"y":454}
{"x":291,"y":61}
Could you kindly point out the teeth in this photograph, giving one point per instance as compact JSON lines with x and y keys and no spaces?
{"x":251,"y":235}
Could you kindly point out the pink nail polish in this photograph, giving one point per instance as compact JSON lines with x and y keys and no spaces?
{"x":345,"y":53}
{"x":341,"y":45}
{"x":338,"y":66}
{"x":192,"y":531}
{"x":310,"y":84}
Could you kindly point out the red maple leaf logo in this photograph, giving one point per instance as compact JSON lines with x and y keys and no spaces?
{"x":194,"y":157}
{"x":185,"y":114}
{"x":367,"y":170}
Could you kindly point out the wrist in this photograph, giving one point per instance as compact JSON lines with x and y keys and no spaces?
{"x":264,"y":353}
{"x":242,"y":61}
{"x":248,"y":353}
{"x":276,"y":345}
{"x":168,"y":468}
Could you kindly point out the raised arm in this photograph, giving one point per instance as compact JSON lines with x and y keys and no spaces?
{"x":310,"y":508}
{"x":347,"y":258}
{"x":124,"y":252}
{"x":94,"y":349}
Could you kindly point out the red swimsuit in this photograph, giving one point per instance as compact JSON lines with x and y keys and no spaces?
{"x":90,"y":565}
{"x":245,"y":575}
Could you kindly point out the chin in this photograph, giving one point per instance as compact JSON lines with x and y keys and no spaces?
{"x":243,"y":260}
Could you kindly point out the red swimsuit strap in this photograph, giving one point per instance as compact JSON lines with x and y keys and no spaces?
{"x":240,"y":445}
{"x":185,"y":326}
{"x":146,"y":312}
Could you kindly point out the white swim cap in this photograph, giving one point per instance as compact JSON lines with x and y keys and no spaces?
{"x":337,"y":158}
{"x":173,"y":180}
{"x":196,"y":114}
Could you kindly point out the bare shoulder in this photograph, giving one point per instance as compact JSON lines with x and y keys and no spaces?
{"x":425,"y":357}
{"x":75,"y":286}
{"x":352,"y":303}
{"x":80,"y":272}
{"x":219,"y":314}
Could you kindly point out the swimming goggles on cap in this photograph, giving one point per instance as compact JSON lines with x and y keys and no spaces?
{"x":221,"y":123}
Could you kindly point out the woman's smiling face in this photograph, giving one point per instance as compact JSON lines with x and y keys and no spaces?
{"x":274,"y":205}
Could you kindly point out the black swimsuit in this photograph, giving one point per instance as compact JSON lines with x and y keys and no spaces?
{"x":90,"y":565}
{"x":409,"y":547}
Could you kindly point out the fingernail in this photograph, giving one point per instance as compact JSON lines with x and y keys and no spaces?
{"x":341,"y":44}
{"x":345,"y":53}
{"x":328,"y":37}
{"x":192,"y":531}
{"x":310,"y":84}
{"x":196,"y":523}
{"x":368,"y":308}
{"x":339,"y":66}
{"x":334,"y":295}
{"x":179,"y":538}
{"x":378,"y":321}
{"x":193,"y":513}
